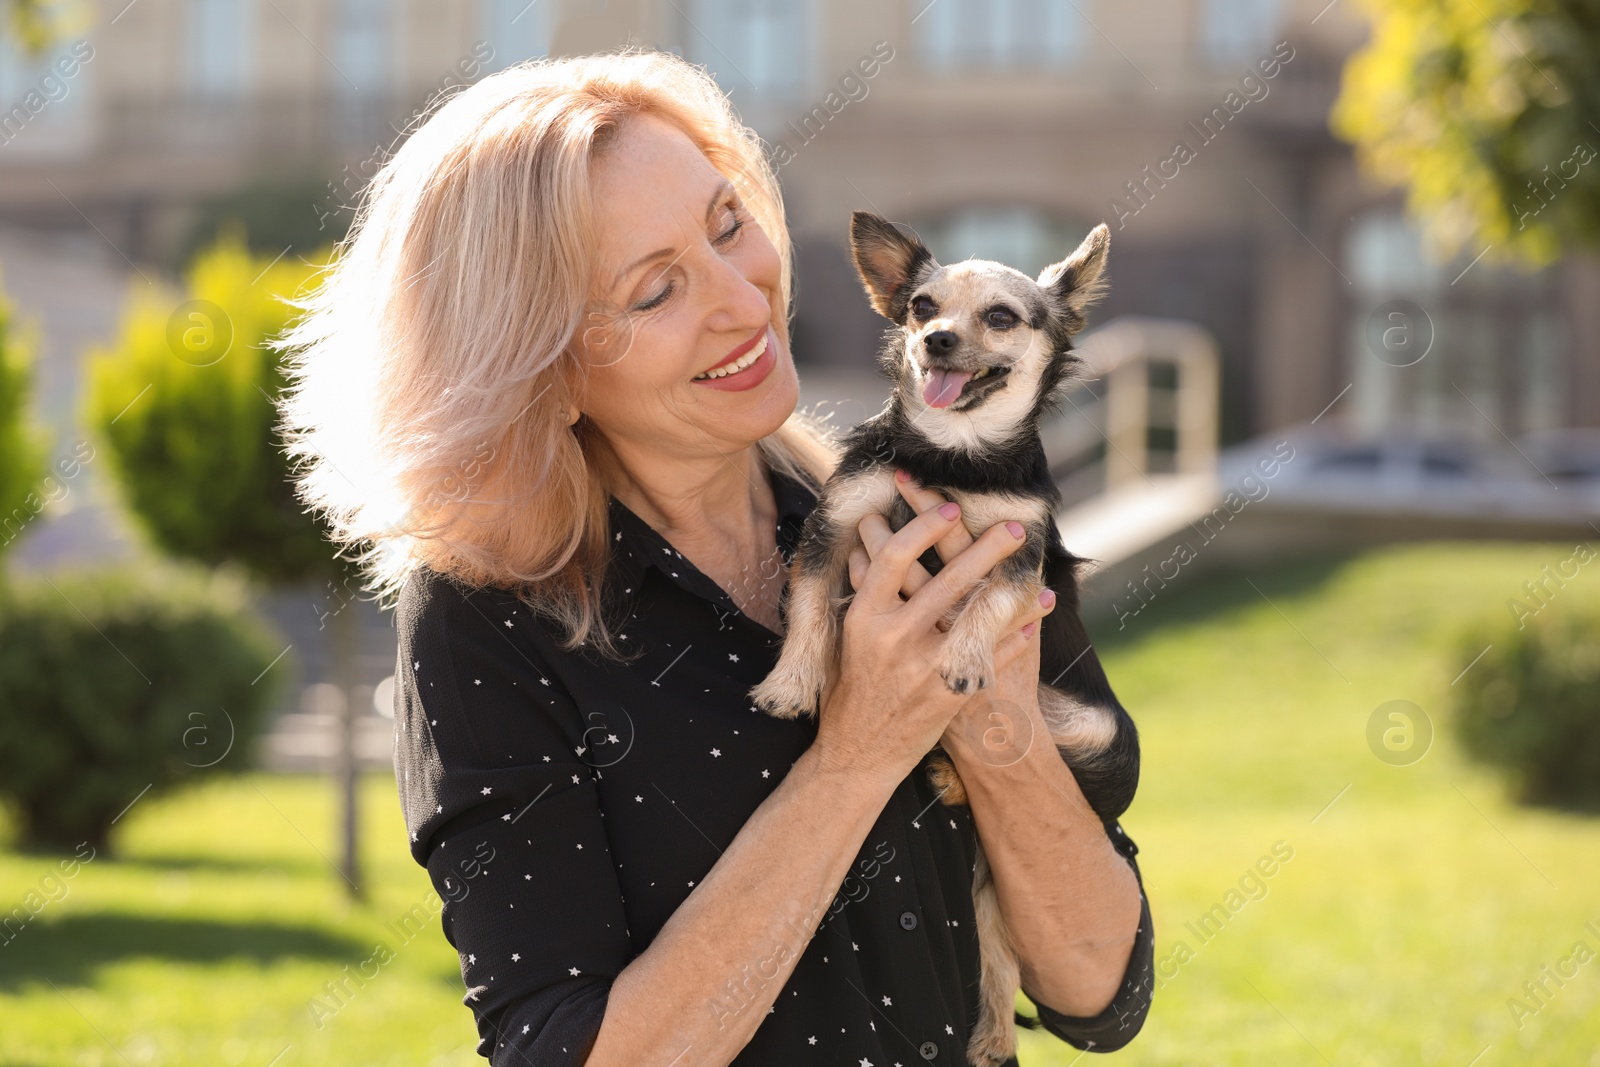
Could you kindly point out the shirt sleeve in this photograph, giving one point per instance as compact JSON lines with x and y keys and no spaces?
{"x":506,"y":819}
{"x":1122,"y":1019}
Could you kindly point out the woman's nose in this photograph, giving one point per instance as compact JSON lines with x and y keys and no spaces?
{"x":740,"y":294}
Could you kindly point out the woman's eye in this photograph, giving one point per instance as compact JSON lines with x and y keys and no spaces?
{"x":655,"y":301}
{"x":923,"y":307}
{"x":727,"y":235}
{"x":1001,"y":318}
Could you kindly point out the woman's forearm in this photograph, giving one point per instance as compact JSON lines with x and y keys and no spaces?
{"x":698,"y":993}
{"x":1070,"y":901}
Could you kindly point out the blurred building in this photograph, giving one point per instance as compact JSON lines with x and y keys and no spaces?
{"x":995,"y":127}
{"x":1424,"y":399}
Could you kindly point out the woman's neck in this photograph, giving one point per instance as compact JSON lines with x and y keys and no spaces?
{"x":724,"y":519}
{"x":721,"y":497}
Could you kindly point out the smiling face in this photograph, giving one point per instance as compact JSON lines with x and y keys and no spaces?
{"x":690,"y":284}
{"x":970,"y":327}
{"x":982,"y":342}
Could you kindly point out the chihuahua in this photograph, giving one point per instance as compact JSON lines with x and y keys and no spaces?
{"x":978,"y":352}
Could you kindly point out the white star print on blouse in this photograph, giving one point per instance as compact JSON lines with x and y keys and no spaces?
{"x":569,"y":694}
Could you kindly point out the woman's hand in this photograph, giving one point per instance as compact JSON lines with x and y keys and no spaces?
{"x":874,"y":531}
{"x":1000,"y":716}
{"x":888,"y":704}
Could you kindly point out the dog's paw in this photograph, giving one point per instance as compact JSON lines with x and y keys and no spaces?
{"x":967,"y":673}
{"x":786,"y":695}
{"x":991,"y":1046}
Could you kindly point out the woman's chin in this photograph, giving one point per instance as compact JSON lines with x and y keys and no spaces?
{"x":761,"y":415}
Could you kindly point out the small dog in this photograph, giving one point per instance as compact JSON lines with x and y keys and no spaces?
{"x":978,"y":353}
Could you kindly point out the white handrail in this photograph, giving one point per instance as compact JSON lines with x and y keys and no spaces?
{"x":1119,"y":356}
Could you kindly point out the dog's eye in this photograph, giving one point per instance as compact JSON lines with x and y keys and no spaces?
{"x":923,"y":307}
{"x":1001,"y":318}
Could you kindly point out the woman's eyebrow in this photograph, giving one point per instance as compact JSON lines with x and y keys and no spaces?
{"x":723,"y":188}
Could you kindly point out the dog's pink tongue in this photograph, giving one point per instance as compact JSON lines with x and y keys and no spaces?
{"x":944,"y":386}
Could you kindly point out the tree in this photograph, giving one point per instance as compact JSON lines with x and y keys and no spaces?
{"x":185,"y":399}
{"x":21,"y":457}
{"x":37,"y":24}
{"x":1486,"y":110}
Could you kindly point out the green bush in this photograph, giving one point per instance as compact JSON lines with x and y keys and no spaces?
{"x":1534,"y":703}
{"x":112,"y":682}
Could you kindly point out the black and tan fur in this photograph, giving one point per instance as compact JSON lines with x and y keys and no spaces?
{"x":983,"y":451}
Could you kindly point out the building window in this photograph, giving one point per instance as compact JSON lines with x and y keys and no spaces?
{"x":1237,"y":31}
{"x":59,"y":126}
{"x":219,"y":37}
{"x":999,"y":34}
{"x":1457,"y":350}
{"x":515,"y":29}
{"x":1017,"y":235}
{"x":756,"y":49}
{"x":362,"y":46}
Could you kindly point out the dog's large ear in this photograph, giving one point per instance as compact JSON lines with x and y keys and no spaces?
{"x":890,"y":263}
{"x":1079,"y":280}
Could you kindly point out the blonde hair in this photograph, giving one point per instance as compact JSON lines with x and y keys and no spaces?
{"x":427,"y":377}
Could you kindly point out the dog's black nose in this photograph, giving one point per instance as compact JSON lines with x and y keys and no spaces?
{"x":940,"y":342}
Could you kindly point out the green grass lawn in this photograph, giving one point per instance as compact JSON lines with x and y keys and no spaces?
{"x":1415,"y":904}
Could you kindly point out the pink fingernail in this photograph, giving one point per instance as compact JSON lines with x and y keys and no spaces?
{"x":1016,"y":529}
{"x":1047,"y":598}
{"x":1032,"y":626}
{"x":901,"y":476}
{"x":950,"y":510}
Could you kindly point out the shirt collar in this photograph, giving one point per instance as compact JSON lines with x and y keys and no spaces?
{"x":636,"y":546}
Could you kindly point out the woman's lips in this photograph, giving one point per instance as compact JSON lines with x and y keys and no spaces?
{"x":761,"y":351}
{"x":738,"y":353}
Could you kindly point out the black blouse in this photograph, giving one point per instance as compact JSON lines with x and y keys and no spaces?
{"x":565,"y":805}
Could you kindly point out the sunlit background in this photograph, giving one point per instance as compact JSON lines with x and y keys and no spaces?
{"x":1336,"y":456}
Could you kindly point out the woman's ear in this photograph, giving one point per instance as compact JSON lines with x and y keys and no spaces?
{"x":891,"y":264}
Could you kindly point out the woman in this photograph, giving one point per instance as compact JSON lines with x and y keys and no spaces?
{"x":513,"y":394}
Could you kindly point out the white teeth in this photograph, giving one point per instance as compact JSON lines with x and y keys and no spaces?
{"x":980,"y":374}
{"x":737,"y":365}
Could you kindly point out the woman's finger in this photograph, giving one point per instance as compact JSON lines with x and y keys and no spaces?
{"x":874,"y":531}
{"x":921,"y":499}
{"x":1024,"y":628}
{"x":880,"y":589}
{"x":958,"y":576}
{"x":859,"y":560}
